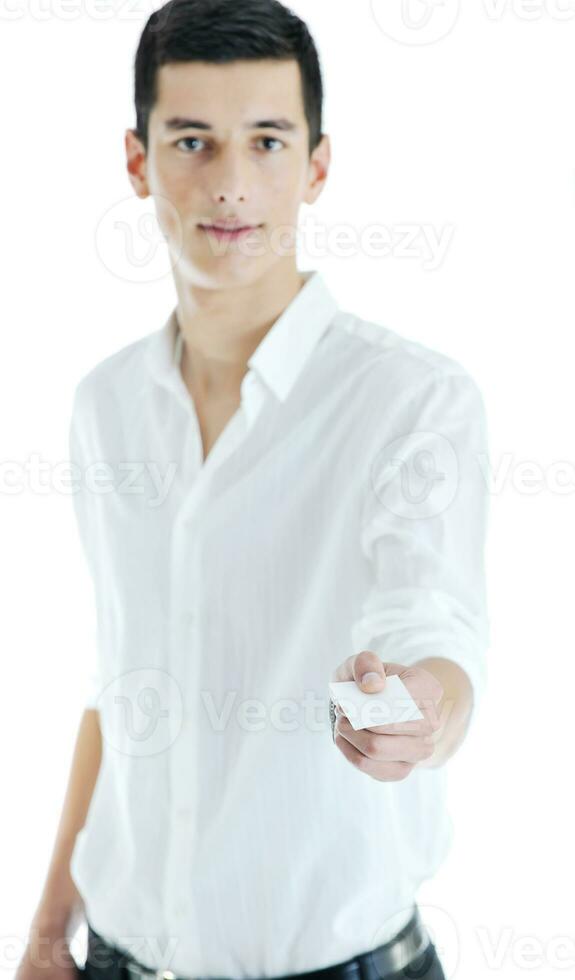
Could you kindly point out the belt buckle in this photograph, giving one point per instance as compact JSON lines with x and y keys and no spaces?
{"x":140,"y":972}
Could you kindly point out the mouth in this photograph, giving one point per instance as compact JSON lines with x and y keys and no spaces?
{"x":228,"y":233}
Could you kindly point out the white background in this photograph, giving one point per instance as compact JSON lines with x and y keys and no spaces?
{"x":470,"y":131}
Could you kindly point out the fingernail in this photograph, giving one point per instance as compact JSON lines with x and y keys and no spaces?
{"x":370,"y":676}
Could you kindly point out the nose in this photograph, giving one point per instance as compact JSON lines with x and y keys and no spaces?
{"x":229,"y":177}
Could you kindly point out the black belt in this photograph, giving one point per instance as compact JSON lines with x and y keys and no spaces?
{"x":411,"y":944}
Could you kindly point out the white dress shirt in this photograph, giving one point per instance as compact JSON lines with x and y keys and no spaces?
{"x":343,"y":508}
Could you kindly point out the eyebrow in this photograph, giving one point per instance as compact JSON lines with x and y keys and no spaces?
{"x":179,"y":122}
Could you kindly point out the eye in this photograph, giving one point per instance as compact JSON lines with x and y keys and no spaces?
{"x":187,"y":139}
{"x":272,"y":139}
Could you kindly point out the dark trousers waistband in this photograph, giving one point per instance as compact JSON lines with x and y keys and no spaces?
{"x":408,"y":956}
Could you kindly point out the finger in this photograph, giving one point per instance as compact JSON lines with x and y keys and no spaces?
{"x":368,"y":671}
{"x":356,"y":665}
{"x":383,"y":771}
{"x":385,"y":748}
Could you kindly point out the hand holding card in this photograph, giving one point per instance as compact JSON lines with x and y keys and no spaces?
{"x":385,"y":715}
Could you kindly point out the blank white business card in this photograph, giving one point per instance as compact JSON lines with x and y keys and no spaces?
{"x":389,"y":706}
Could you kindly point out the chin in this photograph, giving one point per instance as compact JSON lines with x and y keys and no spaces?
{"x":224,"y":272}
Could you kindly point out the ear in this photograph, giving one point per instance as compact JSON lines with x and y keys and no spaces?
{"x":136,"y":163}
{"x":318,"y":169}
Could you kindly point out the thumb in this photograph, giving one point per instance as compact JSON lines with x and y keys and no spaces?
{"x":368,"y":671}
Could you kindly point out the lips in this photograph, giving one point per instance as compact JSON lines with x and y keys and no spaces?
{"x":227,"y":233}
{"x":230,"y":226}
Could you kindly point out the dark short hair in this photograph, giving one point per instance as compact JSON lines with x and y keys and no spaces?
{"x":221,"y":31}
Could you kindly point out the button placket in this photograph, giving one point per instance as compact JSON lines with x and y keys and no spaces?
{"x":182,"y":757}
{"x":184,"y":660}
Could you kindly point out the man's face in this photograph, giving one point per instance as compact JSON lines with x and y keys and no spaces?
{"x":236,"y":169}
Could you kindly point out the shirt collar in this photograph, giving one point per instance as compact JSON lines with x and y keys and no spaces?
{"x":281,"y":354}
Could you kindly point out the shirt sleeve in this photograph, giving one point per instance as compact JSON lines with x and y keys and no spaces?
{"x":423,"y":531}
{"x":85,"y":522}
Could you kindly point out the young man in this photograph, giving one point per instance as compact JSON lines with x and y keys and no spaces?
{"x":296,"y":500}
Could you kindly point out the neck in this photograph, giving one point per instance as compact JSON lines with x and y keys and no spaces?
{"x":221,"y":328}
